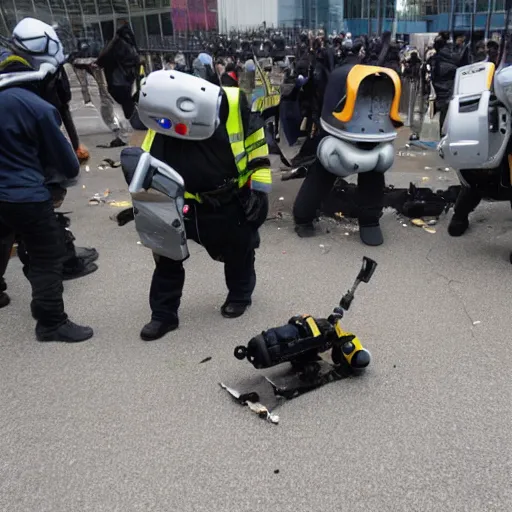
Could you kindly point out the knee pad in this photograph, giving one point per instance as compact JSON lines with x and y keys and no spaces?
{"x":343,"y":158}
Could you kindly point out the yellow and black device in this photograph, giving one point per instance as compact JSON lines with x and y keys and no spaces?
{"x":302,"y":340}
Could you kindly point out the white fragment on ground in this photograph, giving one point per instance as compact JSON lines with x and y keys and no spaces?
{"x":476,"y":322}
{"x":281,"y":199}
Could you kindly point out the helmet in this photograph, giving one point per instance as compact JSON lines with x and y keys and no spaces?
{"x":37,"y":42}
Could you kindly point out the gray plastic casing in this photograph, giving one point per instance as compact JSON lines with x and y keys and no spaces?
{"x":470,"y":141}
{"x":157,"y":192}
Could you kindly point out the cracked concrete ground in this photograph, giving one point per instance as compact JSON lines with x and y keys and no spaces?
{"x":116,"y":424}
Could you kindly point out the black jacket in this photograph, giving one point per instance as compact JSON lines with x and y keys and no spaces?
{"x":120,"y":59}
{"x":444,"y":65}
{"x":33,"y":148}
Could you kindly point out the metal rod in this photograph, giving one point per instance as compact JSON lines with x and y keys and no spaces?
{"x":368,"y":8}
{"x":488,"y":20}
{"x":452,"y":19}
{"x":378,"y":16}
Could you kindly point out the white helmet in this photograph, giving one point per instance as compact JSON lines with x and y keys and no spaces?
{"x":38,"y":42}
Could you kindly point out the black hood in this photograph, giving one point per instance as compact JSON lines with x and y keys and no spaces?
{"x":126,"y":34}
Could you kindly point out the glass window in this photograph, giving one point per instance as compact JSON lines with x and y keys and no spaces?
{"x":120,"y":6}
{"x":140,"y":31}
{"x":104,"y":6}
{"x":107,"y":27}
{"x":43,"y":11}
{"x":166,"y":24}
{"x":88,"y":7}
{"x":24,"y":8}
{"x":8,"y":20}
{"x":153,"y":25}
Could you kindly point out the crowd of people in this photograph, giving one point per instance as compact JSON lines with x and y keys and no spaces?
{"x":227,"y":176}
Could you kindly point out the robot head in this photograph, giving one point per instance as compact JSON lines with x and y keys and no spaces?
{"x":361,"y":104}
{"x":179,"y":105}
{"x":38,"y":43}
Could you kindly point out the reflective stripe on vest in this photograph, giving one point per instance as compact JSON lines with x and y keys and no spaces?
{"x":235,"y":129}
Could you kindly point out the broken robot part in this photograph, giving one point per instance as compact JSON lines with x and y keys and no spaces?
{"x":301,"y":342}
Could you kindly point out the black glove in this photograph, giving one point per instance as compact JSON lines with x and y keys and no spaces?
{"x":256,"y":207}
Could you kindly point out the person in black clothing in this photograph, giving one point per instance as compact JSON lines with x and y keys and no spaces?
{"x":120,"y":62}
{"x":78,"y":261}
{"x":33,"y":146}
{"x":224,"y":216}
{"x":230,"y":76}
{"x":444,"y":64}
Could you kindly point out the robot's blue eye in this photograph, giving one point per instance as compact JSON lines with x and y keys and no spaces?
{"x":165,"y":123}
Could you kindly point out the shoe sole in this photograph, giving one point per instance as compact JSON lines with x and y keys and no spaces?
{"x":226,"y":315}
{"x":50,"y":339}
{"x":160,"y":336}
{"x":90,"y":269}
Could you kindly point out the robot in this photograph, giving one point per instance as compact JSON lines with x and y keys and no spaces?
{"x":177,"y":105}
{"x":477,"y":137}
{"x":300,"y":343}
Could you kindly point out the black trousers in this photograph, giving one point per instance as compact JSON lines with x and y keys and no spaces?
{"x":37,"y":226}
{"x":318,"y":184}
{"x":443,"y":110}
{"x":227,"y":237}
{"x":70,"y":260}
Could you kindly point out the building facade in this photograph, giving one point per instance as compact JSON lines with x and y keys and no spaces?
{"x":400,"y":16}
{"x":246,"y":14}
{"x":156,"y":23}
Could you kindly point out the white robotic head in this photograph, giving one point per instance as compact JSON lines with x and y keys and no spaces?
{"x":38,"y":42}
{"x":180,"y":105}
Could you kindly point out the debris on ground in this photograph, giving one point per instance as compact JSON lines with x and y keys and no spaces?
{"x":120,"y":204}
{"x":205,"y":360}
{"x":476,"y":322}
{"x":99,"y":198}
{"x":425,"y":224}
{"x":108,"y":163}
{"x":325,"y":248}
{"x":87,"y":168}
{"x":252,"y":401}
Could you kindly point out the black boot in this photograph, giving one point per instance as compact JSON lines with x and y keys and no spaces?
{"x":233,"y":309}
{"x":371,"y":234}
{"x":305,"y":230}
{"x":87,"y":254}
{"x":467,"y":200}
{"x":458,"y":225}
{"x":76,"y":268}
{"x":4,"y":300}
{"x":68,"y":332}
{"x":157,"y":329}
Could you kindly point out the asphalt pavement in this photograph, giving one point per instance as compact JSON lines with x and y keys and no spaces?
{"x":116,"y":424}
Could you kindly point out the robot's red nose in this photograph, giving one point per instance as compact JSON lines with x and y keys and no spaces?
{"x":181,"y":129}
